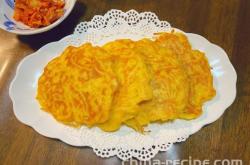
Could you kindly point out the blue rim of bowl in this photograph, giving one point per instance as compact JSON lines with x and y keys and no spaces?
{"x":10,"y":3}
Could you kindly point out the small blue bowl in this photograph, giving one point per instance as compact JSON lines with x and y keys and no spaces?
{"x":9,"y":24}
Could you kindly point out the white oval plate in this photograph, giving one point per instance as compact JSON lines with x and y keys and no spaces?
{"x":124,"y":142}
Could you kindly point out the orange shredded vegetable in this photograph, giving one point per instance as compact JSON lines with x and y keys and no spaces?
{"x":38,"y":13}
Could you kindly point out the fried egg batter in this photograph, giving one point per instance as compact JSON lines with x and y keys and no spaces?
{"x":127,"y":82}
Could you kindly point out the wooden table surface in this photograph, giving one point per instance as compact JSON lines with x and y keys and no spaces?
{"x":223,"y":22}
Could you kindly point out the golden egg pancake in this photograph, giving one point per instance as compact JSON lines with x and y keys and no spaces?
{"x":134,"y":84}
{"x":169,"y":85}
{"x":77,"y":87}
{"x":197,"y":68}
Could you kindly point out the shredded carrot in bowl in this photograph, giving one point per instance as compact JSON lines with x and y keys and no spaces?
{"x":38,"y":13}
